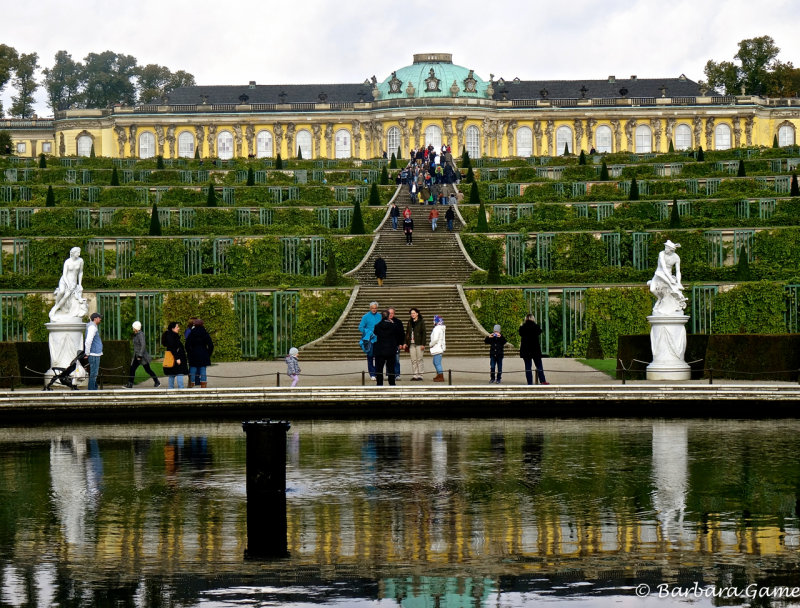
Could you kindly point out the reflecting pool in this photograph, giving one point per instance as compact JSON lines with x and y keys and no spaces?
{"x":495,"y":513}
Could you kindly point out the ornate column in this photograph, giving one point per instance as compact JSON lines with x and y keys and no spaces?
{"x":487,"y":135}
{"x":211,"y":140}
{"x":630,"y":128}
{"x":499,"y":127}
{"x":62,"y":148}
{"x":249,"y":136}
{"x":748,"y":130}
{"x":578,"y":124}
{"x":171,"y":140}
{"x":510,"y":129}
{"x":697,"y":123}
{"x":549,"y":131}
{"x":237,"y":140}
{"x":329,"y":141}
{"x":159,"y":129}
{"x":132,"y":140}
{"x":277,"y":131}
{"x":447,"y":125}
{"x":537,"y":137}
{"x":122,"y":137}
{"x":200,"y":134}
{"x":709,"y":131}
{"x":737,"y":132}
{"x":356,"y":125}
{"x":290,"y":151}
{"x":655,"y":124}
{"x":404,"y":130}
{"x":670,"y":130}
{"x":590,"y":125}
{"x":316,"y":132}
{"x":461,"y":142}
{"x":616,"y":126}
{"x":417,"y":131}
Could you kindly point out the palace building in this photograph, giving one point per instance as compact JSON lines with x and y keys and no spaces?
{"x":431,"y":101}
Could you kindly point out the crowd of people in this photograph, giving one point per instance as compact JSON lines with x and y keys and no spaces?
{"x":427,"y":173}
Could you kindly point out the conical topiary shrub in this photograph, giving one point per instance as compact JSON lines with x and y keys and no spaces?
{"x":299,"y":153}
{"x":374,"y":195}
{"x":633,"y":195}
{"x":50,"y":201}
{"x":743,"y":266}
{"x":91,"y":152}
{"x":470,"y":178}
{"x":114,"y":176}
{"x":278,"y":162}
{"x":671,"y":147}
{"x":357,"y":223}
{"x":493,"y":277}
{"x":674,"y":216}
{"x":700,"y":155}
{"x":399,"y":155}
{"x":566,"y":149}
{"x":483,"y":225}
{"x":331,"y":274}
{"x":794,"y":191}
{"x":197,"y":153}
{"x":384,"y":176}
{"x":474,"y":194}
{"x":604,"y":171}
{"x":466,"y":163}
{"x":155,"y":222}
{"x":393,"y":162}
{"x":211,"y":196}
{"x":42,"y":161}
{"x":775,"y":141}
{"x":159,"y":162}
{"x":251,"y":177}
{"x":741,"y":172}
{"x":582,"y":158}
{"x":594,"y":350}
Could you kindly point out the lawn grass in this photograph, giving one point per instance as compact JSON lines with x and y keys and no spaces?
{"x":142,"y":375}
{"x":607,"y":366}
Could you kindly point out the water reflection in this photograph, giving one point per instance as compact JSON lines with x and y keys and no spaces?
{"x":473,"y":513}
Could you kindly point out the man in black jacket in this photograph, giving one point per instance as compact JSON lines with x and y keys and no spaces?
{"x":385,"y":348}
{"x":401,"y":338}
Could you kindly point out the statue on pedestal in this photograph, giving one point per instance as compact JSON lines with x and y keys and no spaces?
{"x":665,"y":285}
{"x":70,"y":302}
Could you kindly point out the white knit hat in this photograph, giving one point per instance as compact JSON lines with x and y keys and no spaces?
{"x":137,"y":326}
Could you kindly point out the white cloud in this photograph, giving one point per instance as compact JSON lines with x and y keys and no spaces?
{"x":304,"y":41}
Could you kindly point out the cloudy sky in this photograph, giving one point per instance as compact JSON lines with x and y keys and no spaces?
{"x":319,"y":41}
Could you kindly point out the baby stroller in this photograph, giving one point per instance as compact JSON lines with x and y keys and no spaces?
{"x":63,"y":374}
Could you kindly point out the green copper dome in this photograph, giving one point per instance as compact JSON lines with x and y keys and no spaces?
{"x":432,"y":75}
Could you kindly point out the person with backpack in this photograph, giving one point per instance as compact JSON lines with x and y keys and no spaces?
{"x":408,"y":229}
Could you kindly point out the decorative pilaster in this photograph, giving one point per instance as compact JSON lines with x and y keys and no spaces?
{"x":122,"y":138}
{"x":737,"y":131}
{"x":537,"y":137}
{"x":404,"y":130}
{"x":697,"y":123}
{"x":549,"y":131}
{"x":249,"y":136}
{"x":616,"y":126}
{"x":132,"y":140}
{"x":237,"y":141}
{"x":709,"y":131}
{"x":277,"y":132}
{"x":316,"y":139}
{"x":590,"y":125}
{"x":211,"y":140}
{"x":655,"y":125}
{"x":748,"y":130}
{"x":578,"y":124}
{"x":356,"y":125}
{"x":510,"y":129}
{"x":160,"y":141}
{"x":417,"y":131}
{"x":461,"y":143}
{"x":329,"y":152}
{"x":200,"y":135}
{"x":630,"y":129}
{"x":670,"y":131}
{"x":171,"y":140}
{"x":290,"y":151}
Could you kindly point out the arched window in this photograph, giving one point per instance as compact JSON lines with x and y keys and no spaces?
{"x":264,"y":144}
{"x":147,"y":145}
{"x":563,"y":138}
{"x":304,"y":143}
{"x":644,"y":139}
{"x":473,"y":142}
{"x":722,"y":137}
{"x":343,"y":148}
{"x":786,"y":136}
{"x":602,"y":139}
{"x":225,"y":145}
{"x":524,"y":142}
{"x":683,"y":137}
{"x":84,"y":145}
{"x":393,"y":141}
{"x":186,"y":145}
{"x":433,"y":137}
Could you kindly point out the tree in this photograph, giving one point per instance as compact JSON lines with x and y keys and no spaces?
{"x":211,"y":197}
{"x":465,"y":160}
{"x":493,"y":277}
{"x":50,"y":201}
{"x":470,"y":178}
{"x":63,"y":82}
{"x":674,"y":216}
{"x":331,"y":273}
{"x":108,"y":78}
{"x":8,"y":57}
{"x":299,"y":153}
{"x":566,"y":149}
{"x":154,"y":82}
{"x":700,"y":156}
{"x":393,"y":162}
{"x":671,"y":147}
{"x":114,"y":176}
{"x":594,"y":349}
{"x":604,"y":171}
{"x":775,"y":141}
{"x":159,"y":162}
{"x":794,"y":191}
{"x":374,"y":195}
{"x":483,"y":225}
{"x":474,"y":194}
{"x":757,"y":62}
{"x":741,"y":171}
{"x":633,"y":195}
{"x":24,"y":69}
{"x":743,"y":266}
{"x":42,"y":161}
{"x":278,"y":162}
{"x":357,"y":223}
{"x":399,"y":156}
{"x":91,"y":151}
{"x":251,"y":177}
{"x":155,"y":222}
{"x":197,"y":151}
{"x":384,"y":176}
{"x":582,"y":158}
{"x":5,"y":142}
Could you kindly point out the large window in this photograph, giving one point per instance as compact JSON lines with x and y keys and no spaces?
{"x":563,"y":138}
{"x":304,"y":143}
{"x":722,"y":137}
{"x":264,"y":144}
{"x":602,"y":139}
{"x":524,"y":141}
{"x":343,"y":148}
{"x":84,"y":145}
{"x":683,"y":137}
{"x":644,"y":139}
{"x":786,"y":136}
{"x":186,"y":145}
{"x":433,"y":137}
{"x":473,"y":142}
{"x":21,"y":147}
{"x":47,"y":147}
{"x":147,"y":145}
{"x":393,"y":141}
{"x":225,"y":145}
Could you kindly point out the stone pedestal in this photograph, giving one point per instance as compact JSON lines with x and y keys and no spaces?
{"x":668,"y":342}
{"x":66,"y":339}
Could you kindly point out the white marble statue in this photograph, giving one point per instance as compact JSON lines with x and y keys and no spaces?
{"x":69,"y":300}
{"x":665,"y":285}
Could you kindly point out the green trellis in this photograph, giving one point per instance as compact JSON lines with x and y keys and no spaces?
{"x":284,"y":317}
{"x":538,"y":302}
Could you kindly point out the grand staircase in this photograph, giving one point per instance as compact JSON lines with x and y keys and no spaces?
{"x":424,"y":275}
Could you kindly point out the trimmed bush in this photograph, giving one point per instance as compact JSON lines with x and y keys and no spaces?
{"x":159,"y":162}
{"x":374,"y":195}
{"x":393,"y":162}
{"x":384,"y":176}
{"x":155,"y":222}
{"x":470,"y":178}
{"x":594,"y":350}
{"x":483,"y":225}
{"x":278,"y":162}
{"x":674,"y":216}
{"x":474,"y":194}
{"x":671,"y":149}
{"x":604,"y":171}
{"x":795,"y":191}
{"x":251,"y":177}
{"x":50,"y":200}
{"x":9,"y":365}
{"x":357,"y":223}
{"x":33,"y":361}
{"x":582,"y":158}
{"x":741,"y":171}
{"x":331,"y":274}
{"x":494,"y":268}
{"x":743,"y":266}
{"x":700,"y":155}
{"x":211,"y":197}
{"x":114,"y":176}
{"x":775,"y":140}
{"x":633,"y":195}
{"x":42,"y":161}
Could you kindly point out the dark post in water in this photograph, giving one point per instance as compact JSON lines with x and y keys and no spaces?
{"x":266,"y":488}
